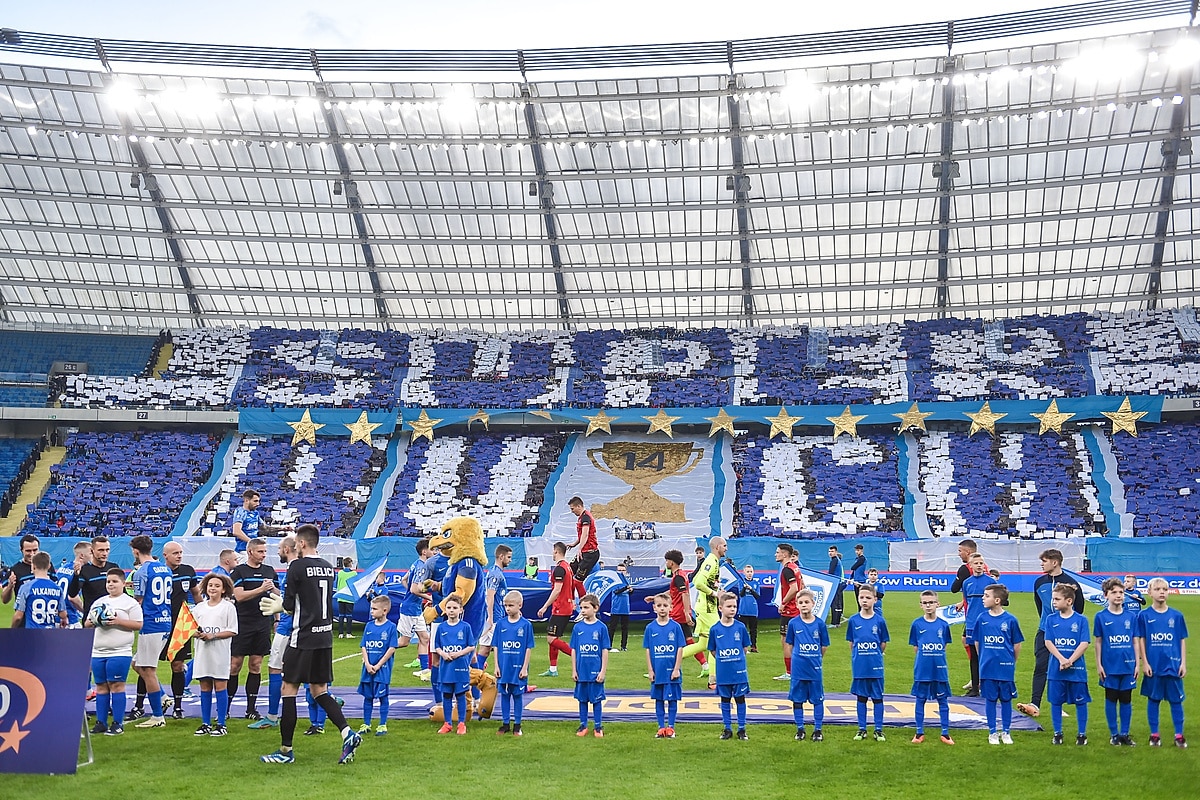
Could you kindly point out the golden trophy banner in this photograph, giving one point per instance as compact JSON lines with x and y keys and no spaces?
{"x":647,"y":492}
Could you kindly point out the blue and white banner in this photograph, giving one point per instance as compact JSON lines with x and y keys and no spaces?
{"x":821,"y":584}
{"x":1092,"y":591}
{"x":359,"y":586}
{"x":602,"y":582}
{"x":955,"y":615}
{"x":730,"y":579}
{"x":43,"y":678}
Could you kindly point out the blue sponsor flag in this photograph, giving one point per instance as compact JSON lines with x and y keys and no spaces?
{"x":1091,"y":589}
{"x":821,"y":584}
{"x":729,"y":578}
{"x":358,"y":587}
{"x":952,"y":614}
{"x":602,"y":582}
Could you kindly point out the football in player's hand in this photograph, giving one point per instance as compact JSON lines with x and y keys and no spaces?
{"x":101,"y":615}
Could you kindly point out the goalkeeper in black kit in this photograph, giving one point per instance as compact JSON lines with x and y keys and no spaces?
{"x":308,"y":597}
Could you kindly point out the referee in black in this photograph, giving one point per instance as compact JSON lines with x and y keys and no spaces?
{"x":308,"y":597}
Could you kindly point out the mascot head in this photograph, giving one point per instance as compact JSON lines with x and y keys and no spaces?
{"x":461,"y":537}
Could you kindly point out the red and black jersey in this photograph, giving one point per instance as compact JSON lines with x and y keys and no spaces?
{"x":590,"y":542}
{"x":789,"y":578}
{"x":564,"y":604}
{"x":680,"y":597}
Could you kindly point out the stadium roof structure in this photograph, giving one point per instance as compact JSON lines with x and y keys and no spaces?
{"x":781,"y":184}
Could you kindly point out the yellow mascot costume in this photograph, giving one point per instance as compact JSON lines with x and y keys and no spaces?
{"x":461,"y":541}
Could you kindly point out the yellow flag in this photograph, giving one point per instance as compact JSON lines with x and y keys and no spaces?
{"x":185,"y":628}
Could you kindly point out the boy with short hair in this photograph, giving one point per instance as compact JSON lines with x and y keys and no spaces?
{"x":378,"y":645}
{"x":664,"y":641}
{"x":514,"y":643}
{"x":973,"y":588}
{"x":115,"y":617}
{"x":997,"y":635}
{"x":1116,"y":659}
{"x":867,"y":633}
{"x":1135,"y":601}
{"x":929,"y":637}
{"x":1161,"y":641}
{"x":1067,"y":637}
{"x":809,"y":639}
{"x":589,"y":662}
{"x":1043,"y":588}
{"x":748,"y":592}
{"x":41,"y":602}
{"x":873,"y":582}
{"x":728,"y":641}
{"x":454,"y":644}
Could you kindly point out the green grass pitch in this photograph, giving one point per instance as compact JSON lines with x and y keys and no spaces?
{"x":629,"y":763}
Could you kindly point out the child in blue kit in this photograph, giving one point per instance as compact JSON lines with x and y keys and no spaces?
{"x":929,"y":637}
{"x":728,"y":641}
{"x":973,"y":588}
{"x":589,"y":663}
{"x":1161,"y":635}
{"x":867,"y":633}
{"x":809,"y":639}
{"x":997,"y":636}
{"x":514,"y":642}
{"x":1135,"y":601}
{"x":664,"y":641}
{"x":1114,"y":630}
{"x":1067,"y":637}
{"x":453,"y":645}
{"x":378,"y":644}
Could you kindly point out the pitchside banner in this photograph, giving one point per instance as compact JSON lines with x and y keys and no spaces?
{"x":43,"y":678}
{"x":648,"y":494}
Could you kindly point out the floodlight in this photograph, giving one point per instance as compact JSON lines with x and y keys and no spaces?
{"x":1105,"y":64}
{"x":459,"y":104}
{"x":122,"y":96}
{"x":799,"y":89}
{"x":1184,"y":53}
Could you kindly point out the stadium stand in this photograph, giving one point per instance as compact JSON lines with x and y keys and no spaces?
{"x":327,"y":484}
{"x":1033,"y":357}
{"x":812,"y":487}
{"x":205,"y":366}
{"x":499,"y":480}
{"x":1161,"y":476}
{"x":122,"y":484}
{"x":36,"y":352}
{"x":1015,"y":485}
{"x":17,"y":457}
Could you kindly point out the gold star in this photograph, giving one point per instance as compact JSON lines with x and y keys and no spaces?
{"x":361,"y":430}
{"x":846,"y":423}
{"x":913,"y":419}
{"x":983,"y":420}
{"x":479,"y":416}
{"x":1124,"y":418}
{"x":661,"y":422}
{"x":1052,"y":419}
{"x":721,"y":422}
{"x":782,"y":423}
{"x":305,"y":429}
{"x":543,"y":414}
{"x":599,"y":422}
{"x":423,"y":426}
{"x":12,"y":739}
